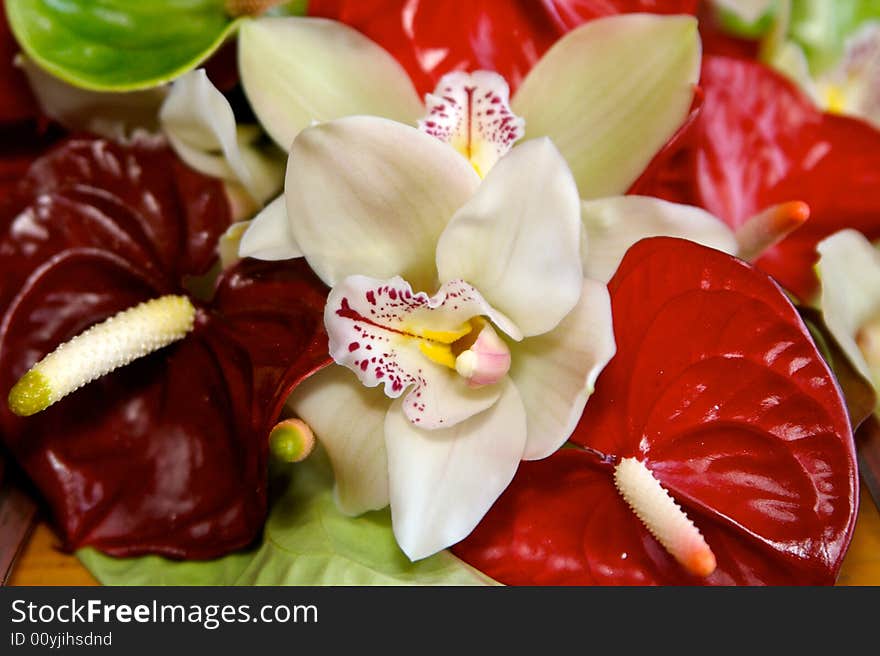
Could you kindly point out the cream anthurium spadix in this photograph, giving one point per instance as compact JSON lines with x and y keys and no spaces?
{"x":458,"y":306}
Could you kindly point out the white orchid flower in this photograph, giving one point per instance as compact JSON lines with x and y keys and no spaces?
{"x":849,"y":269}
{"x":458,"y":299}
{"x":609,"y":94}
{"x":853,"y":86}
{"x":461,"y":308}
{"x":607,"y":106}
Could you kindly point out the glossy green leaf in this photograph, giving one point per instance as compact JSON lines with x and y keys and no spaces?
{"x":119,"y":45}
{"x":307,"y":541}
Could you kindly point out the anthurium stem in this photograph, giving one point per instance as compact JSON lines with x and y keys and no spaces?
{"x":236,"y":8}
{"x":106,"y":346}
{"x":663,"y":518}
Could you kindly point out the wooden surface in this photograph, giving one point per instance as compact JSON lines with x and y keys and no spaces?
{"x":42,"y":564}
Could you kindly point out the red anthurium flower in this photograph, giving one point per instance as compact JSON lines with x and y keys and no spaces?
{"x":433,"y":38}
{"x":719,"y":391}
{"x":758,"y":142}
{"x":168,"y":454}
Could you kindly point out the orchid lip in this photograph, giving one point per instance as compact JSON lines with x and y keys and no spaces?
{"x":408,"y":343}
{"x":471,"y":112}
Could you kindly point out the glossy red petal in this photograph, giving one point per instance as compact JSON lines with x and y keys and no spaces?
{"x":719,"y":389}
{"x":433,"y":38}
{"x":167,"y":455}
{"x":759,"y":141}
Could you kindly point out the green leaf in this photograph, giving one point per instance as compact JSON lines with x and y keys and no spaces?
{"x":307,"y":541}
{"x":119,"y":45}
{"x":821,"y":27}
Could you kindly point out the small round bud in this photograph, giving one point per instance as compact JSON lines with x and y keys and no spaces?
{"x":291,"y":440}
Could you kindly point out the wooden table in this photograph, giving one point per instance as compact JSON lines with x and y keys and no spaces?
{"x":42,"y":564}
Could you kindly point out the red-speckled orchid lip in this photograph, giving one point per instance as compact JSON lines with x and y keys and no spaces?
{"x":718,"y":390}
{"x":168,"y":454}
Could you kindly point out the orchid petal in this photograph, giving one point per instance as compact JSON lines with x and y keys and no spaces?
{"x":269,"y":237}
{"x":370,"y":196}
{"x":113,"y":115}
{"x":849,"y":267}
{"x":471,"y":112}
{"x":349,"y":421}
{"x":614,"y":224}
{"x":611,"y":93}
{"x":389,"y":336}
{"x":199,"y":123}
{"x":517,"y":240}
{"x":228,"y":244}
{"x":443,"y":482}
{"x":299,"y":70}
{"x":555,"y":373}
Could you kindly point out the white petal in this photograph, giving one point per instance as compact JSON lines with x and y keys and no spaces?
{"x":849,"y":268}
{"x":614,"y":224}
{"x":611,"y":93}
{"x":518,"y":239}
{"x":349,"y":421}
{"x":299,"y":70}
{"x":269,"y":237}
{"x":555,"y":373}
{"x":471,"y":112}
{"x":200,"y":125}
{"x":392,"y":337}
{"x":229,"y":242}
{"x":443,"y":482}
{"x":369,"y":196}
{"x":113,"y":115}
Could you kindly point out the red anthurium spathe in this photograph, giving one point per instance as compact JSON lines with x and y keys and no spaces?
{"x":719,"y":391}
{"x":434,"y":38}
{"x":759,"y":142}
{"x":168,"y":454}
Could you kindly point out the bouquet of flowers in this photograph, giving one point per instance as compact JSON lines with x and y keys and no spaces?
{"x":377,"y":292}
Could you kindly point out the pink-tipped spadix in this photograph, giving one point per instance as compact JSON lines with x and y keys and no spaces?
{"x":663,"y":518}
{"x":770,"y":226}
